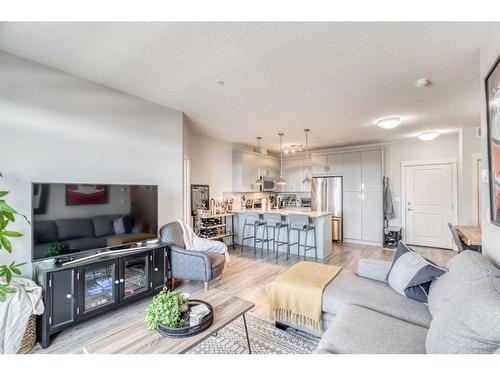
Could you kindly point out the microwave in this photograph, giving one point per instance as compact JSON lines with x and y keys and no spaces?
{"x":268,"y":184}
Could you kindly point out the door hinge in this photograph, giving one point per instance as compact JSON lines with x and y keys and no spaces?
{"x":50,"y":283}
{"x":151,"y":284}
{"x":77,"y":311}
{"x":78,"y":275}
{"x":50,"y":320}
{"x":151,"y":258}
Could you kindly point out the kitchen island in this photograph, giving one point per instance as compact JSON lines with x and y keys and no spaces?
{"x":322,"y":220}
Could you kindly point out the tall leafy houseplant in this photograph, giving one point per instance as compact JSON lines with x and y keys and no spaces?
{"x":7,"y":271}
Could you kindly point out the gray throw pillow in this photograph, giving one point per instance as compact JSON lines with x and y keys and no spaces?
{"x":464,"y":269}
{"x":411,"y":274}
{"x":469,"y":324}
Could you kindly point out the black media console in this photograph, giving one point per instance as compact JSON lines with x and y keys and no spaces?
{"x":98,"y":281}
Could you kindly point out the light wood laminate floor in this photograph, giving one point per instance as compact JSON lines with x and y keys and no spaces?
{"x":247,"y":276}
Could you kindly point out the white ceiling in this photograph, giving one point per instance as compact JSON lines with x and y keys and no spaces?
{"x":335,"y":78}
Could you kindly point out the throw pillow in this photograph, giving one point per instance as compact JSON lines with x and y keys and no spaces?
{"x":411,"y":274}
{"x":121,"y":225}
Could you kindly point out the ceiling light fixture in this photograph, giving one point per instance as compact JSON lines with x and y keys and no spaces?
{"x":259,"y":182}
{"x":422,"y":82}
{"x":428,"y":136}
{"x":281,"y":181}
{"x":306,"y":179}
{"x":389,"y":122}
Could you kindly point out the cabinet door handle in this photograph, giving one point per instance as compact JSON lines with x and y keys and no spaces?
{"x":117,"y":281}
{"x":121,"y":280}
{"x":156,"y":269}
{"x":68,"y":296}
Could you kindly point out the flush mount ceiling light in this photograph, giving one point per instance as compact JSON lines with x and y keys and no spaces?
{"x":389,"y":122}
{"x":422,"y":82}
{"x":428,"y":136}
{"x":281,"y":180}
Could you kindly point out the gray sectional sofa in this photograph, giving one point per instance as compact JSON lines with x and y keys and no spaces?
{"x":363,"y":314}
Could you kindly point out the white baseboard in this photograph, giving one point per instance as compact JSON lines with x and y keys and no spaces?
{"x":363,"y":242}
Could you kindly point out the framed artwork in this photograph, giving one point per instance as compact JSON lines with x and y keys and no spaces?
{"x":492,"y":86}
{"x":200,"y":198}
{"x":40,"y":198}
{"x":77,"y":195}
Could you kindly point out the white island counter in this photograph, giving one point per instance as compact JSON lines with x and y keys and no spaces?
{"x":322,"y":220}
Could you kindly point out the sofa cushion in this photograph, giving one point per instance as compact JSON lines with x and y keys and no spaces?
{"x":103,"y":225}
{"x":74,"y":228}
{"x":411,"y":274}
{"x":348,"y":288}
{"x":45,"y":231}
{"x":469,"y":324}
{"x":171,"y":234}
{"x":357,"y":330}
{"x":463,"y":270}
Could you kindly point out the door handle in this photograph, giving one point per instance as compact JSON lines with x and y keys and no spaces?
{"x":117,"y":281}
{"x":411,"y":209}
{"x":68,"y":296}
{"x":121,"y":280}
{"x":156,"y":269}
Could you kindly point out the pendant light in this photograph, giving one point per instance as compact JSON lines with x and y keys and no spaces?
{"x":259,"y":182}
{"x":281,"y":181}
{"x":306,"y":179}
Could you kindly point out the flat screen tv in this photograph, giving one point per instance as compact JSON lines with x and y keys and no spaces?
{"x":71,"y":218}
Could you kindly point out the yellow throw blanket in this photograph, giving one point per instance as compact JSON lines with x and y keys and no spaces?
{"x":296,"y":295}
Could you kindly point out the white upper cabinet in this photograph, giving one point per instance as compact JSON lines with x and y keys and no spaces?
{"x":352,"y":171}
{"x":293,"y":173}
{"x":248,"y":166}
{"x":319,"y":166}
{"x":371,"y":169}
{"x":335,"y":163}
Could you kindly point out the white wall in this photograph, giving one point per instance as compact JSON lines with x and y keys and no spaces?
{"x":443,"y":147}
{"x":211,"y":163}
{"x":55,"y":127}
{"x":490,"y":50}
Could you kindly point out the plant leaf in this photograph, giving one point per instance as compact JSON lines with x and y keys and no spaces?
{"x":3,"y":224}
{"x":3,"y":193}
{"x":10,"y":233}
{"x":6,"y":208}
{"x":10,"y":216}
{"x":6,"y":243}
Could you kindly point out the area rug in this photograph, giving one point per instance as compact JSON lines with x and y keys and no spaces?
{"x":265,"y":338}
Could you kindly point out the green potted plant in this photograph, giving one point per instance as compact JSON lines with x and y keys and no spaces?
{"x":166,"y":309}
{"x":7,"y":271}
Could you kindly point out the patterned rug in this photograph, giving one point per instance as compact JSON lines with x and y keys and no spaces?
{"x":265,"y":338}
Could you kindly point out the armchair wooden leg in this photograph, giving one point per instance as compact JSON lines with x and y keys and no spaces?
{"x":206,"y":286}
{"x":172,"y":283}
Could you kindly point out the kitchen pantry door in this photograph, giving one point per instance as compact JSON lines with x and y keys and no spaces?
{"x":429,"y":204}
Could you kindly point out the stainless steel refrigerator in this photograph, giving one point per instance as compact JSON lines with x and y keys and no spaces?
{"x":326,"y":194}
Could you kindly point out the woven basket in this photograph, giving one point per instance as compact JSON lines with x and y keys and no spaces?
{"x":29,"y":338}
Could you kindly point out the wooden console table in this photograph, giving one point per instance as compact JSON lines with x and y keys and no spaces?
{"x":136,"y":339}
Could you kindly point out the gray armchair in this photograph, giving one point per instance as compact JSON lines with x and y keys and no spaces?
{"x":188,"y":264}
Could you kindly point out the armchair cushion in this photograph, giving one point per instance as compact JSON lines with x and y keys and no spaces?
{"x":172,"y":234}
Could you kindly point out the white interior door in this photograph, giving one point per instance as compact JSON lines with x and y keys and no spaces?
{"x":429,"y":196}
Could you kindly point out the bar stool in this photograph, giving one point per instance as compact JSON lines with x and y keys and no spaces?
{"x":303,"y":224}
{"x":277,"y":222}
{"x":255,"y":221}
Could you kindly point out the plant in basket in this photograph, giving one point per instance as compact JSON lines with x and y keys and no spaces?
{"x":166,"y":309}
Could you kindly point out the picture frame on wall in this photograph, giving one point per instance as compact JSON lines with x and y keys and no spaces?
{"x":82,"y":194}
{"x":492,"y":87}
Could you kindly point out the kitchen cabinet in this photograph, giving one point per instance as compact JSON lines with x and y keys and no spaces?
{"x":293,"y":173}
{"x":371,"y":216}
{"x":63,"y":287}
{"x":319,"y":165}
{"x":352,"y":171}
{"x":352,"y":216}
{"x":335,"y":163}
{"x":248,"y":166}
{"x":371,"y":169}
